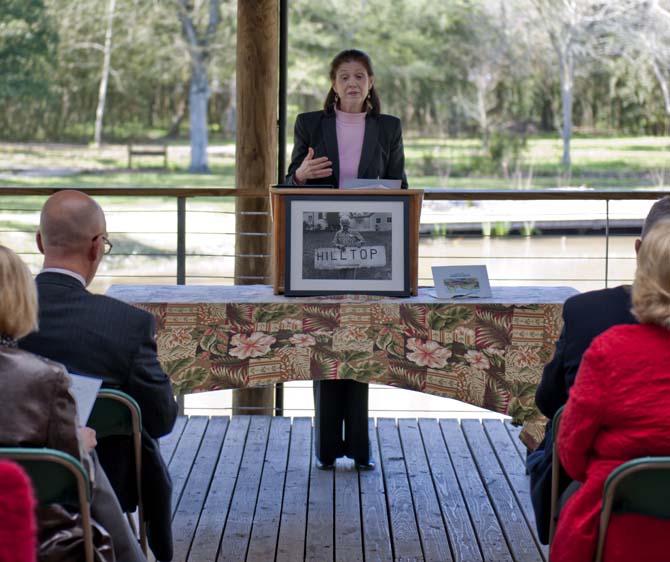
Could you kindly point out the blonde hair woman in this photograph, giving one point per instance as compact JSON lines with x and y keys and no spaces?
{"x":38,"y":409}
{"x":18,"y":298}
{"x":651,"y":290}
{"x":618,"y":410}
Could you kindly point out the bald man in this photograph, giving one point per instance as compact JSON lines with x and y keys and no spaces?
{"x":99,"y":336}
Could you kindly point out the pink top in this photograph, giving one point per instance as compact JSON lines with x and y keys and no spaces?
{"x":350,"y":132}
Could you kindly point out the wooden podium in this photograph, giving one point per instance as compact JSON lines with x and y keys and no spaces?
{"x":414,"y":198}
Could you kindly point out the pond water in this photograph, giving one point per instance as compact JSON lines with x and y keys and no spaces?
{"x":547,"y":260}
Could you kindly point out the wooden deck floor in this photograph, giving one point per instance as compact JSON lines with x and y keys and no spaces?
{"x":245,"y":488}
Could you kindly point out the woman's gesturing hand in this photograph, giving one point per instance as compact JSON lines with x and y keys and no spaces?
{"x":312,"y":168}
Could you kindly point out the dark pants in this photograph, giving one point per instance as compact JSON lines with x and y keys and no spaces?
{"x":118,"y":459}
{"x":337,"y":404}
{"x":106,"y":510}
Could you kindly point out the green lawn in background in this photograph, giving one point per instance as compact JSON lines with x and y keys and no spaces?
{"x":609,"y":162}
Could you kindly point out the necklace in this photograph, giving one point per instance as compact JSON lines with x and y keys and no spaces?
{"x":7,"y":341}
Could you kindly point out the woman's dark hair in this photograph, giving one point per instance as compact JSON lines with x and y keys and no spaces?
{"x":352,"y":55}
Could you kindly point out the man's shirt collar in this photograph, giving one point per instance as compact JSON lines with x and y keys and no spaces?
{"x":65,"y":272}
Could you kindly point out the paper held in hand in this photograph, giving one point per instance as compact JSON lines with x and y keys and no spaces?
{"x":84,"y":391}
{"x":371,"y":184}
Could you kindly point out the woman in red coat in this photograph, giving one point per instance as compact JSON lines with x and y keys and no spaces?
{"x":619,"y":409}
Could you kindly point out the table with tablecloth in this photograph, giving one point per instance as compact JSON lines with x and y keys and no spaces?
{"x":488,"y":352}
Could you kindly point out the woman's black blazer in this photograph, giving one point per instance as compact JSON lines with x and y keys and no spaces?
{"x":382,"y":155}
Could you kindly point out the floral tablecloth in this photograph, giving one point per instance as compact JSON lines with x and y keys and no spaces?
{"x":486,"y":352}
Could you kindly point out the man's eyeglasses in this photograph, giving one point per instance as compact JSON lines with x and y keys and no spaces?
{"x":108,"y":244}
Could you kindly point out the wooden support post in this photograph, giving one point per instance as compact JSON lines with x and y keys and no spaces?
{"x":255,"y":158}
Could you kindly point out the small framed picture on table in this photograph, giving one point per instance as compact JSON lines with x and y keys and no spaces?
{"x":461,"y":281}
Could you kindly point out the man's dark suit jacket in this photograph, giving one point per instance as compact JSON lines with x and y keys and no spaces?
{"x":382,"y":155}
{"x":585,"y":316}
{"x":111,"y":340}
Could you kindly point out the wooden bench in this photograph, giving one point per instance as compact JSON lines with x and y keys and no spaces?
{"x":144,"y":150}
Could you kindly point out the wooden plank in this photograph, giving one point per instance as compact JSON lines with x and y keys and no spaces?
{"x":429,"y":195}
{"x":429,"y":517}
{"x":515,"y":471}
{"x":182,"y":460}
{"x":213,"y":518}
{"x":460,"y":531}
{"x":267,"y":493}
{"x":482,"y":515}
{"x":263,"y":542}
{"x":240,"y":516}
{"x":376,"y":537}
{"x":518,"y":535}
{"x":168,"y":443}
{"x":293,"y":524}
{"x":187,"y":514}
{"x":319,"y":542}
{"x":404,"y":532}
{"x":514,"y":431}
{"x":348,"y":538}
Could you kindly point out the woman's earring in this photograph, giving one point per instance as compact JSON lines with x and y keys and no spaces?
{"x":337,"y":98}
{"x":369,"y":93}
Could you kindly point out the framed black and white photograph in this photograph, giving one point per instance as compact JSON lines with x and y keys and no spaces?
{"x":347,"y":244}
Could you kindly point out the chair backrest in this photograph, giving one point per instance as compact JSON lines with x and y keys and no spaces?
{"x":57,"y":478}
{"x":115,"y":413}
{"x":638,"y":486}
{"x":555,"y":473}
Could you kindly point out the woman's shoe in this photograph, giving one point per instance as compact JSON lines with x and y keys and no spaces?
{"x":370,"y":465}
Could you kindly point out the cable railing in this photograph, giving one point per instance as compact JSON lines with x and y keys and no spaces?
{"x":577,"y":237}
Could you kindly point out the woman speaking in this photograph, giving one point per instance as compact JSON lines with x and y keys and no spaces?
{"x":349,"y":139}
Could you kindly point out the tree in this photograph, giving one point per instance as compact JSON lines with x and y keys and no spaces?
{"x":27,"y":38}
{"x":576,"y":29}
{"x":107,"y":56}
{"x":651,"y":42}
{"x":120,"y":81}
{"x":484,"y":59}
{"x":200,"y":50}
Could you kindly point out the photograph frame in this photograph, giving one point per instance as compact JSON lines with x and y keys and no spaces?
{"x":315,"y":265}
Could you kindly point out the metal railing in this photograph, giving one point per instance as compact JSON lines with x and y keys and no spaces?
{"x":473,"y":221}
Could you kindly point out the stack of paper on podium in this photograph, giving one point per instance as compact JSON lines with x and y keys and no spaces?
{"x":378,"y":183}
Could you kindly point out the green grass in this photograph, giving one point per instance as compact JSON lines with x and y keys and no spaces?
{"x":604,"y":161}
{"x":125,"y":179}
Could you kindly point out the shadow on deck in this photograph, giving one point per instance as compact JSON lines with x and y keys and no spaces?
{"x":245,"y":488}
